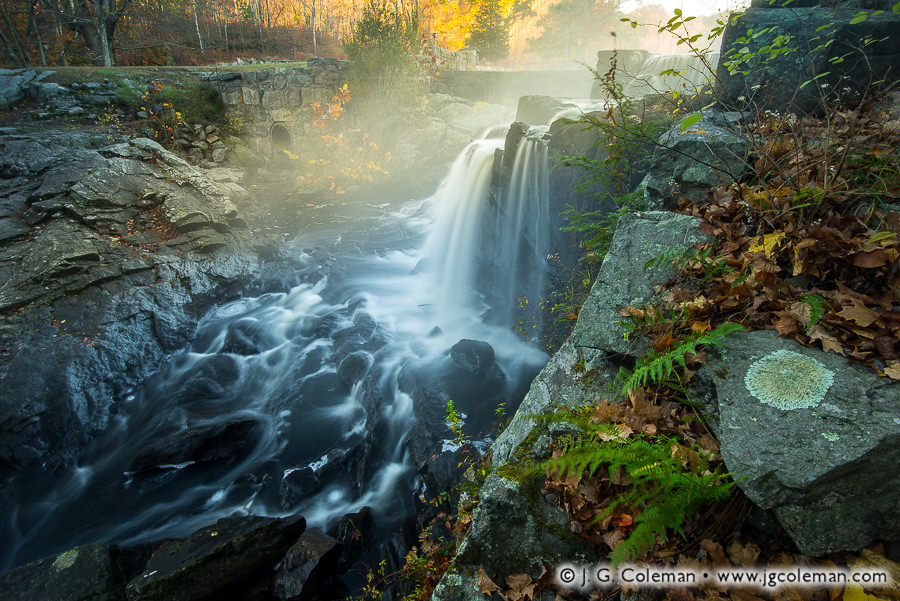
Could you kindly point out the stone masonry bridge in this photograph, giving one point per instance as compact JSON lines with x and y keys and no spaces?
{"x":276,"y":104}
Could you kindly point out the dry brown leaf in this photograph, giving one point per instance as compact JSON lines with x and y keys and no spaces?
{"x":743,"y":555}
{"x":485,"y":584}
{"x":829,"y":342}
{"x":614,"y":537}
{"x":786,"y":325}
{"x":520,"y":586}
{"x":893,"y":371}
{"x":858,"y":313}
{"x":871,"y":260}
{"x":622,"y":432}
{"x":716,"y":553}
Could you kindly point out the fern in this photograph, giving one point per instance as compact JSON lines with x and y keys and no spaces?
{"x":663,"y":492}
{"x":657,"y":368}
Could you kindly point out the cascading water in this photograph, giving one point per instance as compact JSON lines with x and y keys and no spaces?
{"x":522,"y":232}
{"x":295,"y":402}
{"x":461,"y":204}
{"x":684,"y":73}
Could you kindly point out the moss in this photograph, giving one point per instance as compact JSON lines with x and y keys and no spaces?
{"x":66,"y":559}
{"x":788,"y":380}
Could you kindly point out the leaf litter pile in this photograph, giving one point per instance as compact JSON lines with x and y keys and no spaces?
{"x":807,"y":246}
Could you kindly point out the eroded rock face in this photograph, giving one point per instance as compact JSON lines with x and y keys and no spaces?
{"x":840,"y":64}
{"x":812,"y":465}
{"x":111,"y":251}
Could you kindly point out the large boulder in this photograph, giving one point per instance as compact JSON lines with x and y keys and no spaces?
{"x":540,"y":110}
{"x":85,"y":573}
{"x":624,"y":281}
{"x":810,"y":436}
{"x":514,"y":528}
{"x":217,"y":442}
{"x":841,"y":65}
{"x":689,"y":162}
{"x":229,"y":554}
{"x":308,"y":565}
{"x":113,"y":249}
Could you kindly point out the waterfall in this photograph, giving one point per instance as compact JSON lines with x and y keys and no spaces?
{"x":523,"y":235}
{"x":460,"y":204}
{"x":491,"y":249}
{"x":642,"y":73}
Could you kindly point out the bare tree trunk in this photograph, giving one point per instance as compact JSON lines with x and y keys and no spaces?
{"x":197,"y":27}
{"x":37,"y":34}
{"x":9,"y":50}
{"x":225,"y":19}
{"x":23,"y":53}
{"x":315,"y":45}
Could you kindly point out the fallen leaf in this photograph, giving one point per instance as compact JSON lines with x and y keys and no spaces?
{"x":893,"y":371}
{"x":614,"y":537}
{"x":829,"y":342}
{"x":485,"y":584}
{"x":858,"y":313}
{"x":768,"y":244}
{"x":743,"y":555}
{"x":870,"y":260}
{"x":716,"y":553}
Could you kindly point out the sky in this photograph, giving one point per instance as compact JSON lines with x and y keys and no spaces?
{"x":690,"y":7}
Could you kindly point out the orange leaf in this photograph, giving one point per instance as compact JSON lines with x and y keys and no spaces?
{"x":699,"y":327}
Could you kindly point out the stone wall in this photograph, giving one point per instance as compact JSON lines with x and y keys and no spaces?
{"x":275,"y":104}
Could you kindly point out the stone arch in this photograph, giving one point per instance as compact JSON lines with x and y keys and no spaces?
{"x":281,"y":138}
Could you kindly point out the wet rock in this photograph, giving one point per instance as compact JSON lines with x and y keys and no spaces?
{"x":207,"y":444}
{"x":308,"y":566}
{"x":220,"y":559}
{"x":353,"y":531}
{"x":809,"y":464}
{"x":353,"y":367}
{"x":88,"y":246}
{"x":538,"y":110}
{"x":246,"y":337}
{"x":88,"y":572}
{"x":297,"y":485}
{"x":474,"y":356}
{"x":12,"y":228}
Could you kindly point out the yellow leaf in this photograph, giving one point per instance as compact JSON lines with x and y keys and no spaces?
{"x":769,"y":242}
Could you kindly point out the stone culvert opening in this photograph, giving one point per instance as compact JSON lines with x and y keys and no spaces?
{"x":281,"y":139}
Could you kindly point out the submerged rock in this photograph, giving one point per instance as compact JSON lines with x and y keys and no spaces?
{"x":217,"y":442}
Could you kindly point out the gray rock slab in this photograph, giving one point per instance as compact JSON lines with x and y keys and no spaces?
{"x":828,"y":471}
{"x":623,"y":280}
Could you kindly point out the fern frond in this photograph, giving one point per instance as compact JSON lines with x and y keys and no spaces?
{"x":658,"y":368}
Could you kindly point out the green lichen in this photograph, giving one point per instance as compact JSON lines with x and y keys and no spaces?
{"x":66,"y":559}
{"x":788,"y":380}
{"x":830,"y":436}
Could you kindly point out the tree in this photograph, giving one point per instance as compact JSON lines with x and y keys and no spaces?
{"x":570,"y":27}
{"x":95,"y":21}
{"x":492,"y":23}
{"x":382,"y":49}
